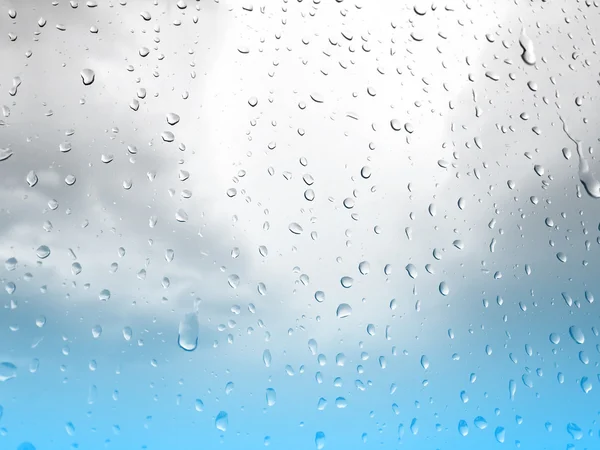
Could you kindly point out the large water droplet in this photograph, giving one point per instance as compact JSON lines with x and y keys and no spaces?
{"x":31,"y":178}
{"x":343,"y":310}
{"x":526,"y":43}
{"x":295,"y":228}
{"x":480,"y":423}
{"x":43,"y":251}
{"x":577,"y":334}
{"x":188,"y":332}
{"x":221,"y":421}
{"x":444,"y":289}
{"x":463,"y":428}
{"x":320,"y":440}
{"x":88,"y":76}
{"x":271,"y":397}
{"x":346,"y":282}
{"x":7,"y":371}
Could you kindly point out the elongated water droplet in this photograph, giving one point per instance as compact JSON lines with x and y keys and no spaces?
{"x":526,"y":43}
{"x":577,"y":334}
{"x":295,"y":228}
{"x":271,"y":396}
{"x":463,"y":428}
{"x":320,"y":440}
{"x":188,"y":332}
{"x":221,"y":421}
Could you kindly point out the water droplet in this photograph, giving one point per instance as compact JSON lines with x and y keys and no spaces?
{"x":5,"y":153}
{"x":347,"y":282}
{"x":31,"y":178}
{"x":500,"y":434}
{"x":188,"y":332}
{"x":424,"y":362}
{"x":444,"y":289}
{"x":320,"y":296}
{"x":586,"y":384}
{"x":10,"y":264}
{"x":577,"y":334}
{"x":554,"y":338}
{"x":42,"y":252}
{"x":104,"y":295}
{"x":181,"y":216}
{"x":233,"y":280}
{"x":480,"y":423}
{"x":87,"y":76}
{"x":526,"y":43}
{"x":253,"y":101}
{"x":172,"y":119}
{"x":317,"y":98}
{"x":575,"y":431}
{"x":261,"y":288}
{"x":463,"y":428}
{"x":267,"y":358}
{"x":343,"y":310}
{"x":561,"y":257}
{"x":320,"y":440}
{"x":167,"y":136}
{"x":127,"y":333}
{"x":295,"y":228}
{"x":7,"y":371}
{"x":271,"y":397}
{"x":96,"y":331}
{"x":221,"y":421}
{"x":396,"y":125}
{"x":364,"y":267}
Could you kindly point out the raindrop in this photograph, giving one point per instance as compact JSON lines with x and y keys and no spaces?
{"x":188,"y":332}
{"x":271,"y":397}
{"x":32,"y":178}
{"x":221,"y":421}
{"x":364,"y":267}
{"x":577,"y":334}
{"x":347,"y":282}
{"x":320,"y":440}
{"x":172,"y":119}
{"x":295,"y":228}
{"x":7,"y":371}
{"x":444,"y":289}
{"x":87,"y":76}
{"x":42,"y":252}
{"x":343,"y":310}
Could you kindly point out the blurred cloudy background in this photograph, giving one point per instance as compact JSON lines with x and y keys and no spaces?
{"x":392,"y":133}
